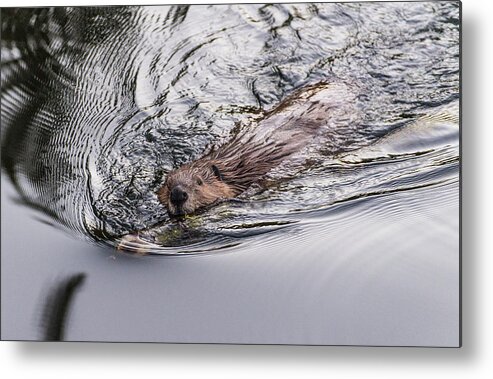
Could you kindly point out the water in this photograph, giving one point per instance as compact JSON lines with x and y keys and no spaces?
{"x":356,"y":245}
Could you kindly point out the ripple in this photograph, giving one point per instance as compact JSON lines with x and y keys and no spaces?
{"x":98,"y":104}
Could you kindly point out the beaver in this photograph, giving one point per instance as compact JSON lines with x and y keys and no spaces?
{"x":227,"y":171}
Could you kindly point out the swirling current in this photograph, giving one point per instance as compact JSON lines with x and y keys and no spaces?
{"x":99,"y":104}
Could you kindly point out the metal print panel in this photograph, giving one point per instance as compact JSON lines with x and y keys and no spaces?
{"x":242,"y":173}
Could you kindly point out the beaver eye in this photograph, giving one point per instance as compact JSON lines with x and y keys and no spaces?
{"x":216,"y":172}
{"x":199,"y":181}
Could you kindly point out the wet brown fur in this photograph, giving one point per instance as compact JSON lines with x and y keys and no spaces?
{"x":240,"y":164}
{"x":245,"y":160}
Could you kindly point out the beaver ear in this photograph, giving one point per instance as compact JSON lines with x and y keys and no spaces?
{"x":216,"y":172}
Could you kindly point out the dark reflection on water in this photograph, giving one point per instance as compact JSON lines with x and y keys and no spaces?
{"x":98,"y":104}
{"x":57,"y":307}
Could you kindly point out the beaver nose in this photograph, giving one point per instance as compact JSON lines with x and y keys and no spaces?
{"x":178,"y":196}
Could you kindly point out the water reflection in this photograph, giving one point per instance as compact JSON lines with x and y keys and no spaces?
{"x":57,"y":307}
{"x":98,"y":104}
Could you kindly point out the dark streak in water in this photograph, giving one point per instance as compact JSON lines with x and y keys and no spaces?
{"x":260,"y":224}
{"x":57,"y":307}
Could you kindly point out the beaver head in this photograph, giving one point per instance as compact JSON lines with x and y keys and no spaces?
{"x":222,"y":174}
{"x":193,"y":186}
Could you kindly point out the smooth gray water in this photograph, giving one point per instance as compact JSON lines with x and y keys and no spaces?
{"x":358,"y":246}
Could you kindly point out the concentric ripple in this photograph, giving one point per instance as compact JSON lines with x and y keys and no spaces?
{"x":98,"y":104}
